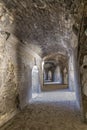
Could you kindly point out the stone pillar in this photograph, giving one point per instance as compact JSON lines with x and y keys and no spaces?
{"x":65,"y":74}
{"x":71,"y":73}
{"x":62,"y":75}
{"x":52,"y":76}
{"x":49,"y":75}
{"x":45,"y":75}
{"x":58,"y":75}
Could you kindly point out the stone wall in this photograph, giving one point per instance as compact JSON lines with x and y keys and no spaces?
{"x":16,"y":63}
{"x":83,"y":77}
{"x":83,"y":60}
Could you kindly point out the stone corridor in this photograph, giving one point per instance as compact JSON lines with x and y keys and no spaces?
{"x":43,"y":46}
{"x":55,"y":110}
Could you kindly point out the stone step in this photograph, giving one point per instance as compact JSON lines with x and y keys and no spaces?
{"x":51,"y":87}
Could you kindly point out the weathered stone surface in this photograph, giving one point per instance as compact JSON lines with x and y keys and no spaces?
{"x":49,"y":111}
{"x":15,"y":68}
{"x":45,"y":26}
{"x":83,"y":60}
{"x":42,"y":28}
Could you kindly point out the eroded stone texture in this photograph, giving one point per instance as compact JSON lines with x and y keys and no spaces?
{"x":84,"y":84}
{"x":49,"y":111}
{"x":42,"y":25}
{"x":15,"y":68}
{"x":83,"y":60}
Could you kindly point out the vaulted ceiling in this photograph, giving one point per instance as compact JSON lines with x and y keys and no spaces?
{"x":46,"y":26}
{"x":51,"y":61}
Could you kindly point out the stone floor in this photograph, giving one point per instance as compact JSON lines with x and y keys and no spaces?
{"x":49,"y":111}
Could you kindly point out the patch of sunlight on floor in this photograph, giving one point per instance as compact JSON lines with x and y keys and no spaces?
{"x":56,"y":96}
{"x":34,"y":95}
{"x":52,"y":83}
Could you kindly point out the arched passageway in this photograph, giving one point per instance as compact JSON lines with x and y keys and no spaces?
{"x":35,"y":29}
{"x":55,"y":71}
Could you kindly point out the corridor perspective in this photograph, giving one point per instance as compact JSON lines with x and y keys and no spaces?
{"x":43,"y":64}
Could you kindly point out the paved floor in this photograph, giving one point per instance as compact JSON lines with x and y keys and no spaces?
{"x":49,"y":111}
